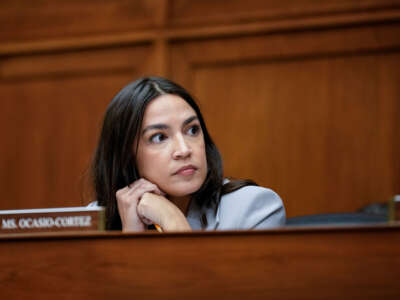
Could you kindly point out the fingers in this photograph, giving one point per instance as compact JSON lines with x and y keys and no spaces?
{"x":127,"y":202}
{"x":152,"y":208}
{"x":146,"y":221}
{"x":163,"y":212}
{"x":136,"y":189}
{"x":143,"y":185}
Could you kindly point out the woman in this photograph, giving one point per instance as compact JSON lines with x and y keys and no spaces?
{"x":156,"y":164}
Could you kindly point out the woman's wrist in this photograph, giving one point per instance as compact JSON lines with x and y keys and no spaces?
{"x":175,"y":220}
{"x":133,"y":226}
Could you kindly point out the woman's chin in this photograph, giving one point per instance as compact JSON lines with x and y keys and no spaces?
{"x":182,"y":191}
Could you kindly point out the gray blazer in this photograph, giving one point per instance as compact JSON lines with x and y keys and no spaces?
{"x":251,"y":207}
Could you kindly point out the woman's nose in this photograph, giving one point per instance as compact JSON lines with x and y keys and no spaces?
{"x":182,"y":148}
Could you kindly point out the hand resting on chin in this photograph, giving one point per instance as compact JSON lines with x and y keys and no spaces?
{"x":143,"y":203}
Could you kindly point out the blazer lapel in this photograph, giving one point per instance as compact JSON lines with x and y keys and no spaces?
{"x":202,"y":218}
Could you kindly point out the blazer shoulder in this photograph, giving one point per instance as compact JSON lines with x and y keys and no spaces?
{"x":251,"y":191}
{"x":251,"y":207}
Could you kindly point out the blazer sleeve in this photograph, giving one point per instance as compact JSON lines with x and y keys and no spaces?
{"x":251,"y":207}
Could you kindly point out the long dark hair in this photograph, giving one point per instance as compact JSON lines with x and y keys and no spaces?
{"x":114,"y":163}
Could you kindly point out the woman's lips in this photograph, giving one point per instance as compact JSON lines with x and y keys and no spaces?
{"x":186,"y":170}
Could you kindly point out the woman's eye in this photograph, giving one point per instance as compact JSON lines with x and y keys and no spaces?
{"x":157,"y":138}
{"x":194,"y":130}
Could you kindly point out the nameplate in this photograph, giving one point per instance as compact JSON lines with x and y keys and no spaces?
{"x":52,"y":219}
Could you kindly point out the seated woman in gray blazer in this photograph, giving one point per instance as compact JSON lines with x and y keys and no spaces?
{"x":156,"y":164}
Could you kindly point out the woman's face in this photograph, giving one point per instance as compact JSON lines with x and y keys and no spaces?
{"x":171,"y":151}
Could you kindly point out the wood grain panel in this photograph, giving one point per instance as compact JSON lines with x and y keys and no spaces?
{"x":23,"y":20}
{"x":350,"y":263}
{"x":209,"y":12}
{"x":89,"y":62}
{"x":50,"y":114}
{"x":334,"y":63}
{"x":187,"y":55}
{"x":311,"y":114}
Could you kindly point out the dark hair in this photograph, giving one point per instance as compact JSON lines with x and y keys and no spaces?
{"x":114,"y":164}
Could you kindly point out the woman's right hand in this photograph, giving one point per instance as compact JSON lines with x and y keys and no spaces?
{"x":128,"y":199}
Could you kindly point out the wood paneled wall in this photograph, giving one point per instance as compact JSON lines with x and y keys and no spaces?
{"x":301,"y":96}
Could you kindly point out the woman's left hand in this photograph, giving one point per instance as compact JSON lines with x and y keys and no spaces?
{"x":159,"y":210}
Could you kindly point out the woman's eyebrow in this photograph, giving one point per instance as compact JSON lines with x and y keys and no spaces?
{"x":164,"y":126}
{"x":155,"y":126}
{"x":189,"y":120}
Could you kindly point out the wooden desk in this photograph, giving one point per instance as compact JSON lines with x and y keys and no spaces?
{"x":323,"y":263}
